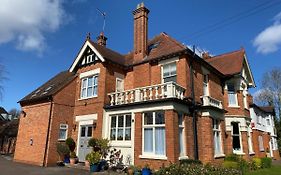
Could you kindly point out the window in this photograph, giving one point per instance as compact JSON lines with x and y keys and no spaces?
{"x":268,"y":121}
{"x":217,"y":137}
{"x":119,"y":85}
{"x":63,"y":131}
{"x":236,"y":145}
{"x":181,"y":134}
{"x":261,"y":143}
{"x":120,"y":129}
{"x":232,"y":97}
{"x":250,"y":142}
{"x":154,"y":141}
{"x":205,"y":85}
{"x":89,"y":87}
{"x":170,"y":72}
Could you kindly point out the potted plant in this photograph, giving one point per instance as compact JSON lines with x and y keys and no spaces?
{"x":130,"y":170}
{"x":87,"y":163}
{"x":63,"y":152}
{"x":70,"y":143}
{"x":73,"y":158}
{"x":103,"y":147}
{"x":94,"y":159}
{"x":146,"y":170}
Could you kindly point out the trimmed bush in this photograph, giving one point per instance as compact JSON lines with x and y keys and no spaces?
{"x":266,"y":162}
{"x":70,"y":143}
{"x":232,"y":157}
{"x":256,"y":163}
{"x":230,"y":164}
{"x":190,"y":161}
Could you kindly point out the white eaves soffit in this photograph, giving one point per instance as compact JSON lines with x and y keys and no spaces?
{"x":80,"y":55}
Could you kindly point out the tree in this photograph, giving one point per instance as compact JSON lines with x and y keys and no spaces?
{"x":15,"y":113}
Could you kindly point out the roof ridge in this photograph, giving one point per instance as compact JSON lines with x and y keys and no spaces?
{"x":227,"y":53}
{"x":173,"y":39}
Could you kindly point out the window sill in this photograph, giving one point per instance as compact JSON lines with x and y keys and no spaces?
{"x":233,"y":106}
{"x":80,"y":99}
{"x":238,"y":153}
{"x":252,"y":153}
{"x":219,"y":156}
{"x":155,"y":157}
{"x":61,"y":140}
{"x":183,"y":157}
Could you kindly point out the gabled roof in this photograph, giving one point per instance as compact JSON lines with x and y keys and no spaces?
{"x":266,"y":109}
{"x":3,"y":111}
{"x":51,"y":87}
{"x":232,"y":63}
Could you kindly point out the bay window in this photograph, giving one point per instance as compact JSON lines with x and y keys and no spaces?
{"x":89,"y":87}
{"x":154,"y":141}
{"x":120,"y":127}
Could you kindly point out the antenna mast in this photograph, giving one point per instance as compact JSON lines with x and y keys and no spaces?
{"x":103,"y":14}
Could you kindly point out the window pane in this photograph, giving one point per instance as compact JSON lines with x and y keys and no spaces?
{"x":84,"y":83}
{"x":232,"y":98}
{"x":95,"y":91}
{"x":160,"y":141}
{"x":166,"y":70}
{"x":230,"y":87}
{"x":83,"y":94}
{"x":62,"y":134}
{"x":148,"y":139}
{"x":217,"y":143}
{"x":120,"y":121}
{"x":181,"y":141}
{"x":96,"y":80}
{"x":148,"y":118}
{"x":173,"y":69}
{"x":90,"y":129}
{"x":236,"y":142}
{"x":83,"y":131}
{"x":113,"y":134}
{"x":235,"y":128}
{"x":90,"y":81}
{"x":128,"y":120}
{"x":128,"y":134}
{"x":120,"y":134}
{"x":159,"y":118}
{"x":113,"y":121}
{"x":89,"y":92}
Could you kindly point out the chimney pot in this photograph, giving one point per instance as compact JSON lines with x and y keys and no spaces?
{"x":206,"y":55}
{"x":101,"y":39}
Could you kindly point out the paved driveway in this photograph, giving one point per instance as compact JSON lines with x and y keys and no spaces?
{"x":8,"y":167}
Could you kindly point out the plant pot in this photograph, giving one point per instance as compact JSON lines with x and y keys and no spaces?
{"x":130,"y":171}
{"x":145,"y":171}
{"x":87,"y":163}
{"x":66,"y":159}
{"x":95,"y":167}
{"x":102,"y":164}
{"x":72,"y":161}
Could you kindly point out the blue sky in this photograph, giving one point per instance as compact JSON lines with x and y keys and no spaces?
{"x":38,"y":39}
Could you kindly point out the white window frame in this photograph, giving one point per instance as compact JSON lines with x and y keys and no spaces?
{"x":261,"y":147}
{"x":87,"y":86}
{"x":250,"y":141}
{"x":182,"y":128}
{"x":153,"y":155}
{"x":245,"y":101}
{"x":124,"y":127}
{"x":170,"y":74}
{"x":217,"y":129}
{"x":232,"y":93}
{"x":63,"y":127}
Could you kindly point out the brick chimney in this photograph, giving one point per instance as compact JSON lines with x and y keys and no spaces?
{"x":101,"y":39}
{"x":206,"y":55}
{"x":140,"y":31}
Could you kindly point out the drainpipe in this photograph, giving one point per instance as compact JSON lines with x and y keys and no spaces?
{"x":48,"y":132}
{"x":193,"y":106}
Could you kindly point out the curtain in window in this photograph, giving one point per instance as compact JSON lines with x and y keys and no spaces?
{"x":232,"y":98}
{"x":217,"y":143}
{"x":148,"y":140}
{"x":160,"y":141}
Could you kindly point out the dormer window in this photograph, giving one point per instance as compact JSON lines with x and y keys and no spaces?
{"x":170,"y":72}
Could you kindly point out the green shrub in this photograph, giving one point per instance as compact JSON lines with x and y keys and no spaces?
{"x":266,"y":162}
{"x":230,"y":164}
{"x":62,"y":149}
{"x":93,"y":157}
{"x":194,"y":169}
{"x":73,"y":154}
{"x":232,"y":157}
{"x":190,"y":161}
{"x":70,"y":143}
{"x":256,"y":163}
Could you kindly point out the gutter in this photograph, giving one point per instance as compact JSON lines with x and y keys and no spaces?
{"x":48,"y":133}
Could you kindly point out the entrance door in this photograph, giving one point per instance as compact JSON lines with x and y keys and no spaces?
{"x":85,"y":135}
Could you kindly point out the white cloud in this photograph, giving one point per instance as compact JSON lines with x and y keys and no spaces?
{"x":26,"y":22}
{"x":269,"y":40}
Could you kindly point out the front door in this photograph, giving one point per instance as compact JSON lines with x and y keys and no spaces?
{"x":84,"y":137}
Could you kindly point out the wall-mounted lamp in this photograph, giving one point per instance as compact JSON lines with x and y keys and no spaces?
{"x":31,"y":141}
{"x":95,"y":125}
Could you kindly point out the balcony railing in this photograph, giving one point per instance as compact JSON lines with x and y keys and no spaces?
{"x":148,"y":93}
{"x":210,"y":101}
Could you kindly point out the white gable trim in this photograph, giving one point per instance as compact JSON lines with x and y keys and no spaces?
{"x":251,"y":82}
{"x":77,"y":59}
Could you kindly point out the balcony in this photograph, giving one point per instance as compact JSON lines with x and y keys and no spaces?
{"x":148,"y":93}
{"x":210,"y":101}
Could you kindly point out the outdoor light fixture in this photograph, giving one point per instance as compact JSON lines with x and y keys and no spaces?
{"x":94,"y":125}
{"x":31,"y":141}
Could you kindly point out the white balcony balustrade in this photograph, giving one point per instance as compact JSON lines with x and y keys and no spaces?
{"x":210,"y":101}
{"x":148,"y":93}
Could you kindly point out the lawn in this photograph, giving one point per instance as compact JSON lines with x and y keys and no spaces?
{"x":274,"y":170}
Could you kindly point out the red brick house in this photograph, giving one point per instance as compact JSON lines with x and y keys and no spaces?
{"x":158,"y":104}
